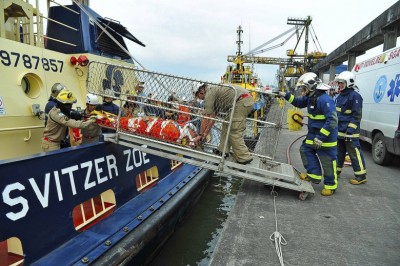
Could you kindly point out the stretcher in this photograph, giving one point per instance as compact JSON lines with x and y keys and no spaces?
{"x":175,"y":139}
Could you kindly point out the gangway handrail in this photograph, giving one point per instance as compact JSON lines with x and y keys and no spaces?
{"x":173,"y":138}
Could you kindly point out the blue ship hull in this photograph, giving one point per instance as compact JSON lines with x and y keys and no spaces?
{"x":39,"y":194}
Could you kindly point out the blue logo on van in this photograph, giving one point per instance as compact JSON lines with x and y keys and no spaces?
{"x":380,"y":88}
{"x":394,"y":88}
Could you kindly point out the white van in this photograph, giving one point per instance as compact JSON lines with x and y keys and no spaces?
{"x":378,"y":80}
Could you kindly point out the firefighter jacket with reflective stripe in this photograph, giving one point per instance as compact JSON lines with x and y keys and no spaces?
{"x":322,"y":118}
{"x":349,"y":111}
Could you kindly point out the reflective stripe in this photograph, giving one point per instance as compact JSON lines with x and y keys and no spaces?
{"x":325,"y":132}
{"x":333,"y":187}
{"x":353,"y":125}
{"x":291,"y":98}
{"x":339,"y":169}
{"x":362,"y":172}
{"x":317,"y":117}
{"x":360,"y":163}
{"x":329,"y":144}
{"x":342,"y":134}
{"x":338,"y":109}
{"x":316,"y":177}
{"x":324,"y":144}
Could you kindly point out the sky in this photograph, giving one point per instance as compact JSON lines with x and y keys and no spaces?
{"x":193,"y":38}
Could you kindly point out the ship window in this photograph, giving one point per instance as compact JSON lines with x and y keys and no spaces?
{"x":90,"y":212}
{"x":31,"y":84}
{"x":175,"y":164}
{"x":25,"y":85}
{"x":237,"y":78}
{"x":147,"y":179}
{"x":11,"y":252}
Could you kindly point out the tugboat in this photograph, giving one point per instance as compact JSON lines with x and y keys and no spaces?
{"x":243,"y":75}
{"x":99,"y":203}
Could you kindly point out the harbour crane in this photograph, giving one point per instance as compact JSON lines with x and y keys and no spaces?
{"x":294,"y":65}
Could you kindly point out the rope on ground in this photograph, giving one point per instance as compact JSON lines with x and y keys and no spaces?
{"x":276,"y":236}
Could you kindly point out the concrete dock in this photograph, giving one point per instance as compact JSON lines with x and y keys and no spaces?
{"x":358,"y":225}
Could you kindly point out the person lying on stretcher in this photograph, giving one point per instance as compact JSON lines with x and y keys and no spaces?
{"x":168,"y":130}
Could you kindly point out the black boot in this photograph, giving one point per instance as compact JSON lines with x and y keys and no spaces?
{"x":219,"y":153}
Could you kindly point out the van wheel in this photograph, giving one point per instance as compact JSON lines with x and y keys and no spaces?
{"x":380,"y":154}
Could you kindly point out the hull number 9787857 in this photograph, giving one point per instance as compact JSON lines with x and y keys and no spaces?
{"x":30,"y":62}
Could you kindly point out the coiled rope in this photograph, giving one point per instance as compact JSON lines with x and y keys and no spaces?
{"x":276,"y":236}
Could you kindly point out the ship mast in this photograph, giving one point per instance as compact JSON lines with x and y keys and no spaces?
{"x":239,"y":42}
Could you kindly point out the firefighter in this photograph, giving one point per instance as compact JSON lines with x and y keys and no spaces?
{"x":349,"y":110}
{"x":90,"y":133}
{"x":59,"y":120}
{"x":219,"y":100}
{"x":55,"y":90}
{"x":320,"y":145}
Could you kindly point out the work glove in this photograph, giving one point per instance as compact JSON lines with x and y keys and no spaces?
{"x":317,"y":143}
{"x":279,"y":94}
{"x":76,"y":115}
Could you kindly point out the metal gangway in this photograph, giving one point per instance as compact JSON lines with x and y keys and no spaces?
{"x":159,"y":116}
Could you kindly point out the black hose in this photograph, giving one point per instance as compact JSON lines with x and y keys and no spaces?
{"x":290,"y":146}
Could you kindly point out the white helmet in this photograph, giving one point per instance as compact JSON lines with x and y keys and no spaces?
{"x":347,"y":77}
{"x":308,"y":80}
{"x":92,"y":99}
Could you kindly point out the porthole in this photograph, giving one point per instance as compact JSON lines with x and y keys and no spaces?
{"x":25,"y":85}
{"x":31,"y":85}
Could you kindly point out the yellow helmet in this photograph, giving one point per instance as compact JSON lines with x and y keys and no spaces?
{"x":65,"y":96}
{"x":131,"y":92}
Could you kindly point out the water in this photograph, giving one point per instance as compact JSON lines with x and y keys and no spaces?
{"x":195,"y":238}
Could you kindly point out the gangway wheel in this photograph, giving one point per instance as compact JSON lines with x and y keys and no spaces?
{"x":303,"y":195}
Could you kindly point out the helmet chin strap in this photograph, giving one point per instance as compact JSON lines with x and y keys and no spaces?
{"x":65,"y":108}
{"x":310,"y":92}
